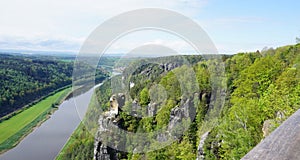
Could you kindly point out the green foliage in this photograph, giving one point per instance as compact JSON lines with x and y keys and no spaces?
{"x":146,"y":124}
{"x":172,"y":86}
{"x":203,"y":76}
{"x":81,"y":146}
{"x":261,"y":86}
{"x":24,"y":79}
{"x":81,"y":143}
{"x":186,"y":149}
{"x":236,"y":64}
{"x":163,"y":115}
{"x":260,"y":91}
{"x":14,"y":128}
{"x":144,"y":97}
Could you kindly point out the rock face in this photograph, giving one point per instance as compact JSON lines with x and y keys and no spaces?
{"x":267,"y":127}
{"x":116,"y":101}
{"x":178,"y":115}
{"x":169,"y":66}
{"x":180,"y":118}
{"x":184,"y":111}
{"x":200,"y":155}
{"x":101,"y":150}
{"x":269,"y":124}
{"x":152,"y":109}
{"x":135,"y":108}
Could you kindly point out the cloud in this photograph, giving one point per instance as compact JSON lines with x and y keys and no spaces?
{"x":26,"y":22}
{"x":150,"y":37}
{"x":179,"y":46}
{"x":40,"y":43}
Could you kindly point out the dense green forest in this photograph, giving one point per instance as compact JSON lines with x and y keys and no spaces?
{"x":27,"y":78}
{"x":261,"y":87}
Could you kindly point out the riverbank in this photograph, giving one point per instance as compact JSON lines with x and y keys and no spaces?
{"x":74,"y":137}
{"x":70,"y":141}
{"x":16,"y":127}
{"x":33,"y":103}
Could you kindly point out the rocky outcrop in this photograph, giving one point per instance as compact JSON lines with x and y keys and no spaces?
{"x":169,"y":66}
{"x":185,"y":111}
{"x":117,"y":101}
{"x":270,"y":124}
{"x":267,"y":127}
{"x":180,"y":116}
{"x":152,"y":109}
{"x":106,"y":120}
{"x":100,"y":149}
{"x":200,"y":155}
{"x":102,"y":152}
{"x":135,"y":109}
{"x":149,"y":112}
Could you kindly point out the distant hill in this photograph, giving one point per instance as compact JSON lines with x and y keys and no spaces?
{"x":26,"y":78}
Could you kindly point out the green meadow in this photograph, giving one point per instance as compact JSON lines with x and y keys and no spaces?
{"x":18,"y":126}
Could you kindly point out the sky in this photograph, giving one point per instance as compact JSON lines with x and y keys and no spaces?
{"x":233,"y":26}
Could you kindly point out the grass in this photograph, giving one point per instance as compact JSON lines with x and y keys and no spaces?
{"x":15,"y":128}
{"x":74,"y":137}
{"x":70,"y":141}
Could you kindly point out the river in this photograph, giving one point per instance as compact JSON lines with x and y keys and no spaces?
{"x":46,"y":141}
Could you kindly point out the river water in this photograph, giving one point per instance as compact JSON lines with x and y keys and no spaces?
{"x":46,"y":141}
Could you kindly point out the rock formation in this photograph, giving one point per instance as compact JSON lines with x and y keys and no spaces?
{"x":185,"y":111}
{"x":267,"y":127}
{"x":109,"y":118}
{"x":181,"y":114}
{"x":200,"y":155}
{"x":152,"y":109}
{"x":270,"y":124}
{"x":169,"y":66}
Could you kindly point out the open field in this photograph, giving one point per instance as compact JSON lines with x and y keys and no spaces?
{"x":18,"y":126}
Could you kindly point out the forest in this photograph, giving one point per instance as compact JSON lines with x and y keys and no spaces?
{"x":27,"y":78}
{"x":261,"y":89}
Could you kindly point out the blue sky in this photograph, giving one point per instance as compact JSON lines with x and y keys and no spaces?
{"x":233,"y":26}
{"x":250,"y":25}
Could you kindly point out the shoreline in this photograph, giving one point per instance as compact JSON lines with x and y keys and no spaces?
{"x":8,"y":116}
{"x":59,"y":156}
{"x":26,"y":130}
{"x":38,"y":121}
